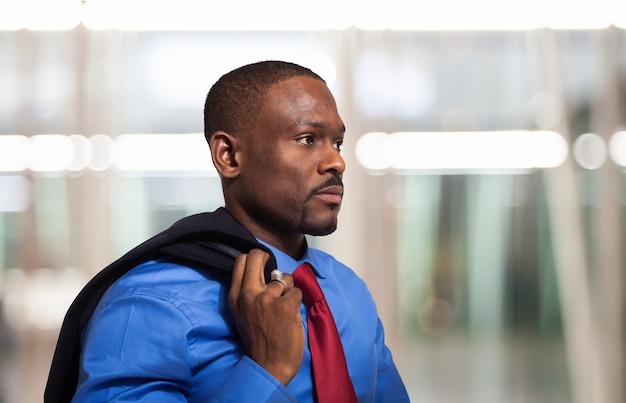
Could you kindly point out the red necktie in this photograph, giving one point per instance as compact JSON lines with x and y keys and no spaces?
{"x":330,"y":371}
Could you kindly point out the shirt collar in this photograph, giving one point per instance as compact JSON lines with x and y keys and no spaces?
{"x":287,"y":264}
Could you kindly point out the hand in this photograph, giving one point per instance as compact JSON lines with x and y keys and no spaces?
{"x":267,"y":316}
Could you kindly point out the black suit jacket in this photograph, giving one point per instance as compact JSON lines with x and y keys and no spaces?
{"x":205,"y":242}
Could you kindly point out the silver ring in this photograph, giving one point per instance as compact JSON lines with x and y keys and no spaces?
{"x":277,"y":275}
{"x":283,"y":282}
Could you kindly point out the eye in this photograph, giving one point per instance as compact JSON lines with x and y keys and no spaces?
{"x":338,"y":144}
{"x":306,"y":140}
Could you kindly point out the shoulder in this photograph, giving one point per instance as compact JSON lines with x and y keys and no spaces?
{"x":168,"y":283}
{"x":338,"y":276}
{"x":347,"y":294}
{"x":328,"y":265}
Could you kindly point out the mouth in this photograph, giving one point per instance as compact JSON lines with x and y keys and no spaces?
{"x":331,"y":191}
{"x":330,"y":194}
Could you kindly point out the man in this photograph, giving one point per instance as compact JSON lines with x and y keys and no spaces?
{"x":167,"y":330}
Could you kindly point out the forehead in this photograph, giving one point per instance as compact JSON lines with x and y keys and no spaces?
{"x":300,"y":98}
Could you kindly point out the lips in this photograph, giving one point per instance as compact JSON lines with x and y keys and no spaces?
{"x":330,"y":191}
{"x":333,"y":190}
{"x":331,"y":194}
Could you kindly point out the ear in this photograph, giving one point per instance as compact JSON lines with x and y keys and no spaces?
{"x":225,"y":154}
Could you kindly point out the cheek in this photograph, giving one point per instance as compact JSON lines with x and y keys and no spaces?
{"x":291,"y":186}
{"x":287,"y":185}
{"x":283,"y":175}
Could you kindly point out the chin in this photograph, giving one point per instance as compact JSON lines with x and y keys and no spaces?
{"x":319,"y":229}
{"x":322,"y":232}
{"x":319,"y":224}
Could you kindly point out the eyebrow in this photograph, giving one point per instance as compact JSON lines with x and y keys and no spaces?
{"x":318,"y":124}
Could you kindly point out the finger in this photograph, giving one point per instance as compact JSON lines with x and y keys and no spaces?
{"x":237,"y":277}
{"x":293,"y":293}
{"x":277,"y":287}
{"x":253,"y":277}
{"x":288,"y":279}
{"x":288,"y":284}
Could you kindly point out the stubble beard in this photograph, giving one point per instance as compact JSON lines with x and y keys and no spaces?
{"x":307,"y":226}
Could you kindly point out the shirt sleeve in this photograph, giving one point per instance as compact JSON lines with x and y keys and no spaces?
{"x":143,"y":347}
{"x":389,"y":385}
{"x":247,"y":391}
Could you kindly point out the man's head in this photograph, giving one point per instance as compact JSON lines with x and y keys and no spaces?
{"x":278,"y":153}
{"x":235,"y":100}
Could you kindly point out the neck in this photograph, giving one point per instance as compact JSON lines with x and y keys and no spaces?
{"x":294,"y":246}
{"x":292,"y":243}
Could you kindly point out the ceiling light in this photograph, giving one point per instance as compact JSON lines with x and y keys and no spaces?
{"x":462,"y":151}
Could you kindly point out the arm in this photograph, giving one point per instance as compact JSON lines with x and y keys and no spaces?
{"x":389,"y":385}
{"x":267,"y":317}
{"x":143,"y":345}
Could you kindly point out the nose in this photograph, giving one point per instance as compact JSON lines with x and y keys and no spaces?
{"x":332,"y":161}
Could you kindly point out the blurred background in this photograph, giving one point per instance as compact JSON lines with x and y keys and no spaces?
{"x":485,"y":185}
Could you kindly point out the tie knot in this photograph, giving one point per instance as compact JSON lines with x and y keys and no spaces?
{"x":305,"y":280}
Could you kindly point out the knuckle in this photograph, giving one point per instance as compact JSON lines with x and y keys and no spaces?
{"x":289,"y":279}
{"x":266,"y":299}
{"x":246,"y":297}
{"x":296,"y":293}
{"x":240,"y":259}
{"x":287,"y":308}
{"x":257,"y":253}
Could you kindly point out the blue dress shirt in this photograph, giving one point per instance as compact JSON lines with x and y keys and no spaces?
{"x":164,"y":333}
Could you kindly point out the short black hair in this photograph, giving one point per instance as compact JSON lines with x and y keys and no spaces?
{"x":236,"y":99}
